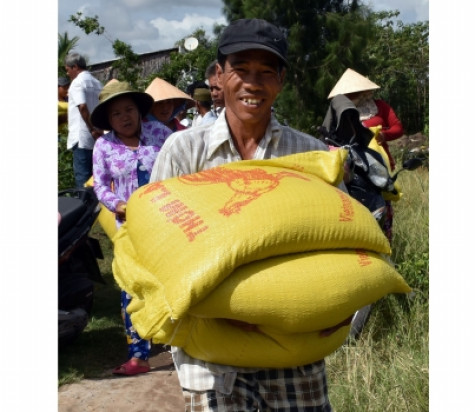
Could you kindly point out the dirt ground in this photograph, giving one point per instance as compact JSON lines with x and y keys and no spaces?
{"x":157,"y":391}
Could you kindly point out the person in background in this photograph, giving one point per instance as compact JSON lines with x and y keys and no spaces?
{"x":373,"y":112}
{"x":217,"y":94}
{"x":251,"y":72}
{"x":83,"y":96}
{"x":168,"y":102}
{"x":122,"y":162}
{"x":202,"y":97}
{"x":183,"y":118}
{"x":63,"y":87}
{"x":190,"y":89}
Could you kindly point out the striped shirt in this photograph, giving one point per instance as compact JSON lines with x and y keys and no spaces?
{"x":200,"y":148}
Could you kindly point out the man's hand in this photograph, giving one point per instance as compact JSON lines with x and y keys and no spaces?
{"x":120,"y":211}
{"x":380,"y":138}
{"x":96,"y":133}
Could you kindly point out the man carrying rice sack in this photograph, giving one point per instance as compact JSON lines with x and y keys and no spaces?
{"x":260,"y":173}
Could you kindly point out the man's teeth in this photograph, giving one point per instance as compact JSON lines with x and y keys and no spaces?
{"x":251,"y":101}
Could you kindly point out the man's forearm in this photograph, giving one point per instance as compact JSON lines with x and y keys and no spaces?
{"x":95,"y":132}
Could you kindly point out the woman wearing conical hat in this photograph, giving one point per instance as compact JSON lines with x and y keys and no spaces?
{"x":168,"y":102}
{"x":373,"y":112}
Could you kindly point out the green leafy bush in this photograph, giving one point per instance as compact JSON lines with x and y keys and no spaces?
{"x":65,"y":164}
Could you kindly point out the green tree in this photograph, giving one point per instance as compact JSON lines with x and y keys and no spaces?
{"x":398,"y":60}
{"x":328,"y":36}
{"x":65,"y":46}
{"x":187,"y":66}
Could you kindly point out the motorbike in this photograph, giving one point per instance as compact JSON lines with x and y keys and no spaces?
{"x":78,"y":267}
{"x":367,"y":176}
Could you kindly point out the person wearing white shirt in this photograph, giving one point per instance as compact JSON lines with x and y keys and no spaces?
{"x":83,"y":97}
{"x":203,"y":104}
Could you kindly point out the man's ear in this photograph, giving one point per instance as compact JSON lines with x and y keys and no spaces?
{"x":283,"y":72}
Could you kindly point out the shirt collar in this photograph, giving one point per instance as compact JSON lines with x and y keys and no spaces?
{"x":219,"y":134}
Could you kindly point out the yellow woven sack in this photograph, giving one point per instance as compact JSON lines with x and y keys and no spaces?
{"x":290,"y":298}
{"x":303,"y":292}
{"x":217,"y":341}
{"x":184,"y":236}
{"x":373,"y":144}
{"x":106,"y":218}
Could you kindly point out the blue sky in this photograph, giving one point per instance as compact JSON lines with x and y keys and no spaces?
{"x":150,"y":25}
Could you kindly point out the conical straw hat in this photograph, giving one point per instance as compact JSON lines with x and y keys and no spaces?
{"x":160,"y":90}
{"x":352,"y":82}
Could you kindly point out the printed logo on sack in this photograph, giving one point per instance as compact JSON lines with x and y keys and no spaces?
{"x":347,"y":213}
{"x":247,"y":185}
{"x":176,"y":211}
{"x":363,"y":257}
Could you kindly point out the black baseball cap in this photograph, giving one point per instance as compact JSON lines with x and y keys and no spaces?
{"x":248,"y":34}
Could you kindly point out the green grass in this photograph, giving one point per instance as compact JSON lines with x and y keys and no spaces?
{"x":65,"y":164}
{"x":386,"y":369}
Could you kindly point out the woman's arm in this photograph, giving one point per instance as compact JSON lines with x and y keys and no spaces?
{"x":102,"y":176}
{"x":392,"y":126}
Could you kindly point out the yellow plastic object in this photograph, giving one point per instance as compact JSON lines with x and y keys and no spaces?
{"x":373,"y":144}
{"x":217,"y":341}
{"x":191,"y":232}
{"x":302,"y":292}
{"x":186,"y":237}
{"x":62,"y":110}
{"x":106,"y":218}
{"x":291,"y":299}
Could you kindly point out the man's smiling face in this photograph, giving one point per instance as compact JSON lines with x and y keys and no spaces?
{"x":251,"y":81}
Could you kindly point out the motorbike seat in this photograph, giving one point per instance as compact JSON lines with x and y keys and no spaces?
{"x":71,"y":210}
{"x":78,"y":209}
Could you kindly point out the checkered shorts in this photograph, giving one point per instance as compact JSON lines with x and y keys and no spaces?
{"x":302,"y":389}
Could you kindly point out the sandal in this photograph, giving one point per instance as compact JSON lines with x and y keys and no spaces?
{"x":130,"y":368}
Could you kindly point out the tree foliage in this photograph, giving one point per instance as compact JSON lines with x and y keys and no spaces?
{"x":328,"y":36}
{"x":185,"y":67}
{"x":398,"y":60}
{"x":127,"y":64}
{"x":88,"y":24}
{"x":65,"y":46}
